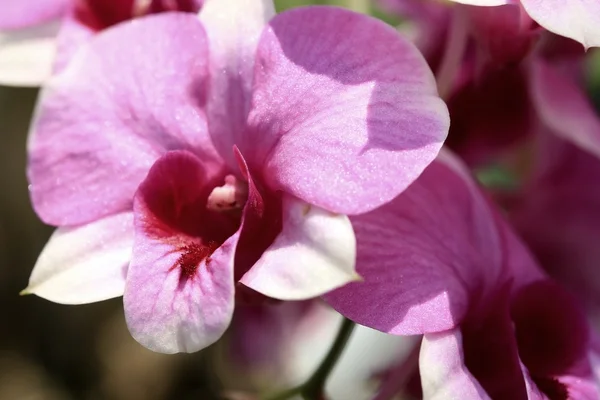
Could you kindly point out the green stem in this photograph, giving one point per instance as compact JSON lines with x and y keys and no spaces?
{"x":286,"y":394}
{"x":312,"y":389}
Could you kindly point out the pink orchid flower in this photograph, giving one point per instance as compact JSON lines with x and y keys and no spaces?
{"x":439,"y":261}
{"x":576,"y":19}
{"x":497,"y":112}
{"x":557,"y":209}
{"x":558,"y":214}
{"x":39,"y":35}
{"x":273,"y":347}
{"x":480,"y":62}
{"x":181,"y":155}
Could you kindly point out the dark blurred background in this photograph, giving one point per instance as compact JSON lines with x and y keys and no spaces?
{"x":52,"y":351}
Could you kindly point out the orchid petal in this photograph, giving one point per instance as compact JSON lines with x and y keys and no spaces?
{"x":575,"y":19}
{"x":504,"y":32}
{"x":485,"y":3}
{"x":118,"y":112}
{"x":443,"y":372}
{"x":73,"y":34}
{"x":345,"y":113}
{"x":533,"y":392}
{"x":314,"y":253}
{"x":423,"y":255}
{"x":490,"y":114}
{"x":279,"y":345}
{"x":560,"y":195}
{"x":580,"y":388}
{"x":564,"y":107}
{"x":84,"y":264}
{"x":18,"y":14}
{"x":233,"y":28}
{"x":179,"y":294}
{"x":26,"y":55}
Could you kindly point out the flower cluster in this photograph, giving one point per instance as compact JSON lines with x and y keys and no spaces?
{"x":213,"y":161}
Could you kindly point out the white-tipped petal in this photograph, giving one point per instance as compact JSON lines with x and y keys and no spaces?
{"x":26,"y":55}
{"x":314,"y":253}
{"x":84,"y":264}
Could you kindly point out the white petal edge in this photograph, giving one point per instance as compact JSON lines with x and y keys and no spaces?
{"x":314,"y":253}
{"x":84,"y":264}
{"x":576,"y":19}
{"x":443,"y":372}
{"x":27,"y":55}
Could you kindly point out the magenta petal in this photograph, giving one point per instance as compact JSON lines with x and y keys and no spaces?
{"x":551,"y":330}
{"x":18,"y":14}
{"x":72,"y":35}
{"x":561,"y":195}
{"x":423,"y":255}
{"x":564,"y":108}
{"x":505,"y":33}
{"x":490,"y":349}
{"x":580,"y":388}
{"x":103,"y":121}
{"x":575,"y":19}
{"x":345,"y":113}
{"x":233,"y":28}
{"x":179,"y":294}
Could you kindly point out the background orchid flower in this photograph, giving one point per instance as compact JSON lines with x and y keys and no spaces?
{"x":439,"y":261}
{"x":556,"y":209}
{"x":557,"y":215}
{"x":226,"y":149}
{"x":37,"y":35}
{"x":576,"y":19}
{"x":273,"y":347}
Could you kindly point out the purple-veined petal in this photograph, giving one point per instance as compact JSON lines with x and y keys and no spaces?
{"x":113,"y":111}
{"x":84,"y":264}
{"x":179,"y":294}
{"x":423,"y":255}
{"x":233,"y":28}
{"x":575,"y":19}
{"x":345,"y":113}
{"x":314,"y":253}
{"x":564,"y":108}
{"x":443,"y":372}
{"x":18,"y":14}
{"x":26,"y":55}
